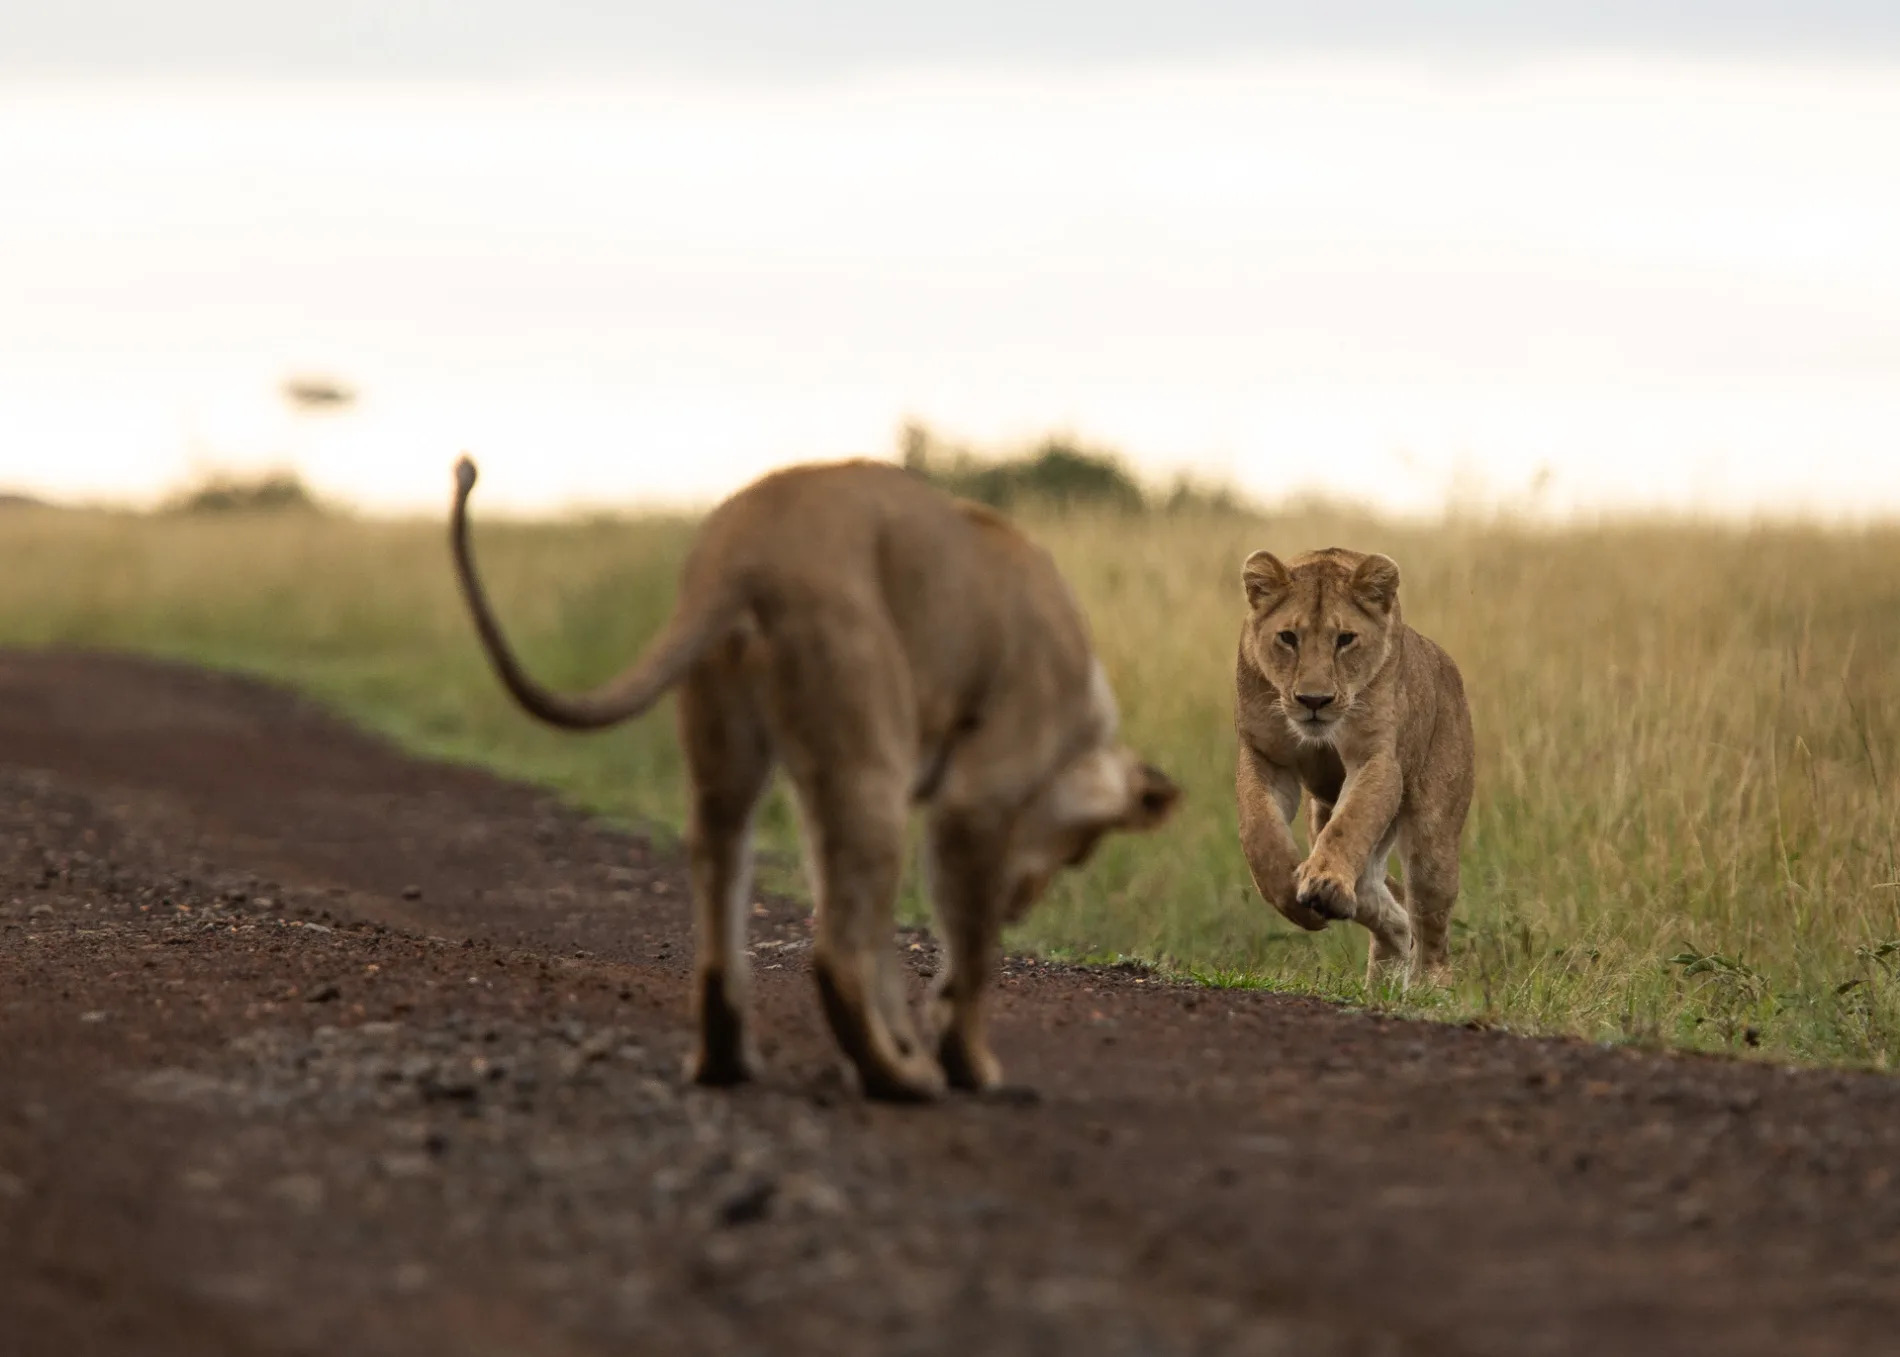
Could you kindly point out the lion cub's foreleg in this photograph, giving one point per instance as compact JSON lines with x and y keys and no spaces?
{"x":1344,"y":875}
{"x":1268,"y":797}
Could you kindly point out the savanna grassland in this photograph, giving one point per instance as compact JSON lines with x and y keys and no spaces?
{"x":1686,"y":827}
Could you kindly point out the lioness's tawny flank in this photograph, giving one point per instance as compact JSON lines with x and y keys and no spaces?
{"x":889,"y":646}
{"x":1337,"y":695}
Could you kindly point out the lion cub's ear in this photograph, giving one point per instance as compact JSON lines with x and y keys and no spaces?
{"x":1264,"y":578}
{"x":1376,"y":582}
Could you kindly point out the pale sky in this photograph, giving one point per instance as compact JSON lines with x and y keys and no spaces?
{"x":1647,"y":248}
{"x":744,"y":39}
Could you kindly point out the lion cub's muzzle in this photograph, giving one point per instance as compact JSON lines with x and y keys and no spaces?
{"x":1312,"y":717}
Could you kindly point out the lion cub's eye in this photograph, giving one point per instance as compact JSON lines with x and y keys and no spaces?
{"x":1289,"y":638}
{"x":1346,"y":638}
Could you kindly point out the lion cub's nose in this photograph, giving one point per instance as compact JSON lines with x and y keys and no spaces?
{"x":1315,"y":702}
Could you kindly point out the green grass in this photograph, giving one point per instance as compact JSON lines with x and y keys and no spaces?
{"x":1686,"y":830}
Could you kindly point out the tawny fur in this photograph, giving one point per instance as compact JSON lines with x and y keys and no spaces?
{"x":1382,"y":747}
{"x":887,"y":646}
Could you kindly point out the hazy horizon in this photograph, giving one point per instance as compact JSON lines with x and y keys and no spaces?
{"x":1639,"y":257}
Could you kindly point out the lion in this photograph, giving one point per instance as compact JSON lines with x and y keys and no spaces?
{"x":1336,"y":695}
{"x":889,"y":646}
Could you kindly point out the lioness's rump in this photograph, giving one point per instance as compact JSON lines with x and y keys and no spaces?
{"x":885,"y":644}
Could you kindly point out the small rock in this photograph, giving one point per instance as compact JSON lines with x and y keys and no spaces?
{"x":405,"y":1164}
{"x":94,"y":1015}
{"x":1263,"y":1144}
{"x":810,"y":1193}
{"x":302,"y":1191}
{"x":450,"y":1087}
{"x":412,"y":892}
{"x":324,"y":994}
{"x":243,"y":1288}
{"x":750,"y":1203}
{"x":409,"y":1278}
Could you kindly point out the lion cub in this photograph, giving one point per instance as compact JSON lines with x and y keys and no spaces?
{"x":888,"y":646}
{"x":1337,"y":695}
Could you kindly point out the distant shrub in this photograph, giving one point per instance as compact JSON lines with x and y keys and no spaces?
{"x":1187,"y":495}
{"x":1055,"y":473}
{"x":269,"y":492}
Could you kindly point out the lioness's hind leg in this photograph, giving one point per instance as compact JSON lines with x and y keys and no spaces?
{"x":729,"y":758}
{"x":846,"y":727}
{"x":856,"y":845}
{"x":965,"y":884}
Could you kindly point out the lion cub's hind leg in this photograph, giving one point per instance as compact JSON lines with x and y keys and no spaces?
{"x":1378,"y":908}
{"x":729,"y":757}
{"x":1431,"y":890}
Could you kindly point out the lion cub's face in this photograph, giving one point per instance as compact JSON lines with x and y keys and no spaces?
{"x":1319,"y":631}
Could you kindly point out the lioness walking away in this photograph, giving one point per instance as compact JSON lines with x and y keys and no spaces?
{"x":1337,"y":695}
{"x":890,"y":646}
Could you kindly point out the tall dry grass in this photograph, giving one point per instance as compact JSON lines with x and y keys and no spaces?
{"x":1686,"y":827}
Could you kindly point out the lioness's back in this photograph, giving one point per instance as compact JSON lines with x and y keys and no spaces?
{"x":942,"y":561}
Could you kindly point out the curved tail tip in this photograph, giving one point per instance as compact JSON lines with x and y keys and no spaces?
{"x":464,"y":474}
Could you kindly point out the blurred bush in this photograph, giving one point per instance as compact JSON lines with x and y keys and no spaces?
{"x":1057,"y":473}
{"x":266,"y":492}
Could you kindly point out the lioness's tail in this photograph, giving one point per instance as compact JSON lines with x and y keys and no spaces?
{"x":628,"y":694}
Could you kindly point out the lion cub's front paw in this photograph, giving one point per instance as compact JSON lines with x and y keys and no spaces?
{"x":1326,"y":892}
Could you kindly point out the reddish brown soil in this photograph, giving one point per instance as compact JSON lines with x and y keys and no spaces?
{"x":306,"y":1047}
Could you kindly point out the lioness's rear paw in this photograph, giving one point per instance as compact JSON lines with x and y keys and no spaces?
{"x":722,"y":1068}
{"x":969,"y":1067}
{"x":917,"y":1079}
{"x":1329,"y":894}
{"x":725,"y":1054}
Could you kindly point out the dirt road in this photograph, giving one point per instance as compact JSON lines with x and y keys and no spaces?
{"x":306,"y":1047}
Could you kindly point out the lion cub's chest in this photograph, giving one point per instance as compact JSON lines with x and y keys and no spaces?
{"x":1321,"y":771}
